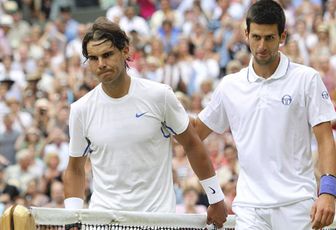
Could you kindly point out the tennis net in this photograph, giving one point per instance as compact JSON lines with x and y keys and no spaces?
{"x":47,"y":218}
{"x":83,"y":219}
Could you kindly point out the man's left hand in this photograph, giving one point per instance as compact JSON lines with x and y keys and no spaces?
{"x":323,"y":211}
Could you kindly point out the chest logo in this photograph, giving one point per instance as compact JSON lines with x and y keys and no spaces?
{"x":137,"y":115}
{"x":286,"y":99}
{"x":325,"y":95}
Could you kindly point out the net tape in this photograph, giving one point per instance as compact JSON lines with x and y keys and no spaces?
{"x":84,"y":219}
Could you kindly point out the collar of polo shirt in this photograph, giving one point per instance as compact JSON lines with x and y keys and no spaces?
{"x":279,"y":72}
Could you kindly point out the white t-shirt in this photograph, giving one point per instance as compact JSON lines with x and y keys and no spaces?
{"x":271,"y":122}
{"x":130,"y":143}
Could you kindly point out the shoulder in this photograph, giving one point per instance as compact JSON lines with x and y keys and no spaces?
{"x":150,"y":88}
{"x":234,"y":79}
{"x":304,"y":76}
{"x":302,"y":70}
{"x":86,"y":100}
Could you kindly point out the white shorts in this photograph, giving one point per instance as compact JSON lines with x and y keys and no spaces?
{"x":295,"y":216}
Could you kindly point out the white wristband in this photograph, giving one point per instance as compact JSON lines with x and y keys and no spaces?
{"x":73,"y":203}
{"x":212,"y":189}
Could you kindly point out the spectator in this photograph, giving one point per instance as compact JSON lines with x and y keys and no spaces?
{"x":237,"y":41}
{"x":22,"y":60}
{"x":190,"y":197}
{"x":151,"y":69}
{"x":302,"y":35}
{"x":20,"y":28}
{"x":8,"y":193}
{"x":185,"y":52}
{"x":292,"y":50}
{"x":204,"y":67}
{"x":165,"y":13}
{"x":70,"y":24}
{"x":155,"y":48}
{"x":233,"y":66}
{"x":22,"y":119}
{"x":210,"y":49}
{"x":116,"y":12}
{"x":52,"y":171}
{"x":8,"y":138}
{"x":56,"y":195}
{"x":31,"y":139}
{"x":181,"y":164}
{"x":169,"y":35}
{"x":132,"y":22}
{"x":33,"y":194}
{"x":6,"y":22}
{"x":222,"y":37}
{"x":198,"y":35}
{"x":57,"y":142}
{"x":74,"y":47}
{"x":8,"y":71}
{"x":21,"y":173}
{"x":170,"y":73}
{"x":42,"y":116}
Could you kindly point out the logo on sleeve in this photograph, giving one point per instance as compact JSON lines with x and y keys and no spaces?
{"x":325,"y":95}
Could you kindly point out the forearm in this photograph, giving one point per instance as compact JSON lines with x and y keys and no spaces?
{"x":326,"y":150}
{"x":201,"y":164}
{"x":323,"y":210}
{"x":74,"y":183}
{"x":200,"y":161}
{"x":203,"y":168}
{"x":327,"y":159}
{"x":196,"y":151}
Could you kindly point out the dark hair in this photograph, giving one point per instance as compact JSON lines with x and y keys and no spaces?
{"x":104,"y":29}
{"x":266,"y":12}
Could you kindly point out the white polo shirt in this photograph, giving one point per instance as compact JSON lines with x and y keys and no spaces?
{"x":271,"y":123}
{"x":129,"y":144}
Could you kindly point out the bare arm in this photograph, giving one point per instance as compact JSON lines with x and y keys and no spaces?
{"x":74,"y":178}
{"x":323,"y":210}
{"x":202,"y":130}
{"x":196,"y":153}
{"x":326,"y":148}
{"x":202,"y":166}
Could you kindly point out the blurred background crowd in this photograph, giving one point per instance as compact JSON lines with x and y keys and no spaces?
{"x":188,"y":44}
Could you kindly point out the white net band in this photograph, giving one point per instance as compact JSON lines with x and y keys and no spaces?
{"x":92,"y":219}
{"x":84,"y":219}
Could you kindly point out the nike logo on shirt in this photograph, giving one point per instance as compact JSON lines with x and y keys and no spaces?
{"x":137,"y":115}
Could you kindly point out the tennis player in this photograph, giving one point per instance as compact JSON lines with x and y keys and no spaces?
{"x":125,"y":126}
{"x":272,"y":107}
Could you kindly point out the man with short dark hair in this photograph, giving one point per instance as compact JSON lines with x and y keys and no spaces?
{"x":272,"y":107}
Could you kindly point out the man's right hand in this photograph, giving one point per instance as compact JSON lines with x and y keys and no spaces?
{"x":217,"y":214}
